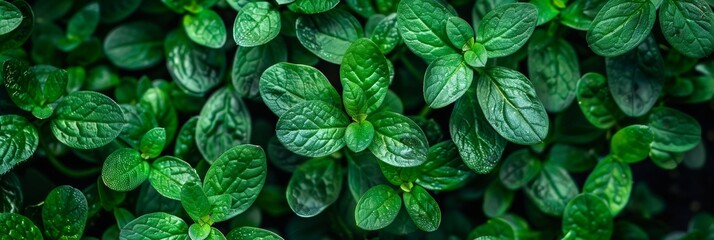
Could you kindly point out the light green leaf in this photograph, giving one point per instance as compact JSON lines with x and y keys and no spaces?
{"x":328,"y":34}
{"x":688,"y":26}
{"x":596,"y":102}
{"x":18,"y":141}
{"x":199,"y":231}
{"x":124,"y":170}
{"x":251,"y":62}
{"x":519,"y":169}
{"x":87,"y":120}
{"x":10,"y":16}
{"x":155,"y":226}
{"x":511,"y":106}
{"x":507,"y":28}
{"x":358,"y":136}
{"x":398,"y":141}
{"x":153,"y":143}
{"x":423,"y":209}
{"x":365,"y":77}
{"x":135,"y":45}
{"x":257,"y":23}
{"x":611,"y":180}
{"x":551,"y":190}
{"x":554,"y":70}
{"x":632,"y":143}
{"x":587,"y":217}
{"x":224,"y":122}
{"x":18,"y":227}
{"x":377,"y":208}
{"x":169,"y":174}
{"x":285,"y":85}
{"x":635,"y":78}
{"x":64,"y":213}
{"x":446,"y":79}
{"x":194,"y":68}
{"x":477,"y":56}
{"x":422,"y":25}
{"x":673,"y":130}
{"x":312,"y":128}
{"x":620,"y":26}
{"x":250,"y":233}
{"x":206,"y":28}
{"x":314,"y":186}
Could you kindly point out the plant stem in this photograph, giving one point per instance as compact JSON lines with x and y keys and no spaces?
{"x":425,"y":111}
{"x":74,"y":173}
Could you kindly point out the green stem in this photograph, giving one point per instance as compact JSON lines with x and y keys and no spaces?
{"x":74,"y":173}
{"x":425,"y":111}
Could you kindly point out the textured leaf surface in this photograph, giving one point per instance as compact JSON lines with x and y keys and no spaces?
{"x":64,"y":213}
{"x":673,"y":130}
{"x":586,"y":217}
{"x":358,"y":136}
{"x":444,"y":170}
{"x":446,"y":80}
{"x":377,"y":208}
{"x":10,"y":17}
{"x":18,"y":141}
{"x":224,"y":123}
{"x":398,"y":141}
{"x":689,"y":26}
{"x":251,"y":62}
{"x":635,"y":78}
{"x":134,"y":46}
{"x":507,"y":28}
{"x":554,"y":70}
{"x":155,"y":226}
{"x":87,"y":120}
{"x":257,"y":23}
{"x":423,"y":209}
{"x":551,"y":190}
{"x":328,"y":34}
{"x":620,"y":26}
{"x":205,"y":28}
{"x":519,"y":168}
{"x":365,"y":76}
{"x":284,"y":85}
{"x":611,"y":180}
{"x":169,"y":174}
{"x":249,"y":233}
{"x":194,"y":68}
{"x":313,"y":129}
{"x":422,"y":25}
{"x":314,"y":186}
{"x":16,"y":226}
{"x":596,"y":102}
{"x":124,"y":170}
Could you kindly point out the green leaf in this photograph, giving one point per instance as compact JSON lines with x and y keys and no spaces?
{"x":199,"y":231}
{"x":314,"y":186}
{"x":477,"y":56}
{"x":21,"y":33}
{"x":508,"y":99}
{"x":358,"y":136}
{"x":155,"y":226}
{"x":160,"y":104}
{"x":313,"y":129}
{"x":114,"y":11}
{"x":423,"y":209}
{"x":574,"y":15}
{"x":285,"y":85}
{"x":328,"y":34}
{"x":18,"y":227}
{"x":186,"y":147}
{"x":507,"y":28}
{"x":87,"y":120}
{"x":249,"y":233}
{"x":398,"y":141}
{"x":312,"y":6}
{"x":635,"y":78}
{"x":386,"y":33}
{"x":34,"y":89}
{"x":444,"y":170}
{"x":446,"y":79}
{"x":363,"y":172}
{"x":495,"y":228}
{"x":12,"y":196}
{"x":554,"y":70}
{"x":687,"y":25}
{"x":482,"y":7}
{"x":194,"y":200}
{"x":124,"y":170}
{"x":123,"y":216}
{"x":80,"y":27}
{"x":138,"y":122}
{"x":620,"y":26}
{"x":64,"y":213}
{"x":632,"y":143}
{"x":546,"y":10}
{"x":596,"y":102}
{"x":665,"y":159}
{"x":194,"y":68}
{"x":519,"y":169}
{"x":10,"y":16}
{"x":224,"y":122}
{"x":480,"y":146}
{"x":497,"y":199}
{"x":422,"y":25}
{"x":256,"y":24}
{"x":169,"y":174}
{"x":611,"y":180}
{"x":399,"y":175}
{"x":673,"y":130}
{"x":239,"y":172}
{"x":365,"y":76}
{"x":572,"y":158}
{"x":459,"y":32}
{"x":206,"y":28}
{"x":251,"y":62}
{"x":377,"y":208}
{"x":153,"y":143}
{"x":283,"y":158}
{"x":551,"y":190}
{"x":135,"y":45}
{"x":18,"y":141}
{"x":586,"y":217}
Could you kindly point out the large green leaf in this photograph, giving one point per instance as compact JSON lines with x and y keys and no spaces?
{"x":552,"y":189}
{"x":386,"y":33}
{"x":620,"y":26}
{"x":194,"y":68}
{"x":250,"y":63}
{"x":155,"y":226}
{"x":169,"y":174}
{"x":124,"y":170}
{"x":17,"y":226}
{"x":377,"y":208}
{"x":135,"y":45}
{"x":587,"y":217}
{"x":87,"y":120}
{"x":511,"y":106}
{"x":422,"y":25}
{"x":18,"y":141}
{"x":365,"y":75}
{"x":328,"y":34}
{"x":205,"y":28}
{"x":312,"y":128}
{"x":446,"y":79}
{"x":398,"y":141}
{"x":632,"y":143}
{"x":635,"y":78}
{"x":314,"y":186}
{"x":257,"y":23}
{"x":423,"y":209}
{"x":611,"y":180}
{"x":554,"y":70}
{"x":240,"y":173}
{"x":689,"y":26}
{"x":285,"y":85}
{"x":64,"y":213}
{"x":507,"y":28}
{"x":224,"y":122}
{"x":673,"y":130}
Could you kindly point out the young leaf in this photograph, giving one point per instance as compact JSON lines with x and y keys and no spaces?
{"x":551,"y":190}
{"x":328,"y":34}
{"x":205,"y":28}
{"x":377,"y":208}
{"x":595,"y":101}
{"x":497,"y":199}
{"x":194,"y":68}
{"x":635,"y":79}
{"x":421,"y":24}
{"x":459,"y":32}
{"x":64,"y":213}
{"x":239,"y":172}
{"x":477,"y":56}
{"x":479,"y":145}
{"x":248,"y":233}
{"x":620,"y":26}
{"x":87,"y":120}
{"x":446,"y":79}
{"x":423,"y":209}
{"x":632,"y":143}
{"x":124,"y":170}
{"x":285,"y":85}
{"x":399,"y":175}
{"x":10,"y":16}
{"x":199,"y":231}
{"x":18,"y":141}
{"x":224,"y":122}
{"x":18,"y":227}
{"x":687,"y":25}
{"x":155,"y":226}
{"x":314,"y":186}
{"x":358,"y":136}
{"x":398,"y":141}
{"x":519,"y":169}
{"x":554,"y":70}
{"x":507,"y":28}
{"x":256,"y":24}
{"x":169,"y":174}
{"x":508,"y":99}
{"x":673,"y":130}
{"x":444,"y":170}
{"x":386,"y":33}
{"x":251,"y":62}
{"x":313,"y":129}
{"x":194,"y":200}
{"x":134,"y":46}
{"x":159,"y":102}
{"x":153,"y":143}
{"x":611,"y":180}
{"x":586,"y":217}
{"x":365,"y":76}
{"x":80,"y":27}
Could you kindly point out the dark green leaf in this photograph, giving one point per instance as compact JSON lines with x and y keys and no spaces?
{"x":363,"y":172}
{"x":224,"y":122}
{"x":64,"y":213}
{"x":135,"y":46}
{"x":423,"y":209}
{"x":87,"y":120}
{"x":687,"y":25}
{"x":365,"y":76}
{"x":398,"y":141}
{"x":595,"y":101}
{"x":620,"y":26}
{"x":444,"y":170}
{"x":587,"y":217}
{"x":495,"y":228}
{"x":194,"y":68}
{"x":377,"y":208}
{"x":114,"y":11}
{"x":21,"y":33}
{"x":635,"y":78}
{"x":285,"y":85}
{"x":673,"y":130}
{"x":507,"y":28}
{"x":313,"y":128}
{"x":18,"y":141}
{"x":314,"y":186}
{"x":328,"y":34}
{"x":554,"y":70}
{"x":257,"y":23}
{"x":551,"y":190}
{"x":186,"y":147}
{"x":251,"y":62}
{"x":519,"y":169}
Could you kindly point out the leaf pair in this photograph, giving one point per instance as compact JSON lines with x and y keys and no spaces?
{"x":379,"y":206}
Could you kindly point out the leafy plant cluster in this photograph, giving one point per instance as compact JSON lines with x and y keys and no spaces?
{"x":354,"y":119}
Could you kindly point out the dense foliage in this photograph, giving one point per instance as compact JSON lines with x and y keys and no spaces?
{"x":355,"y":119}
